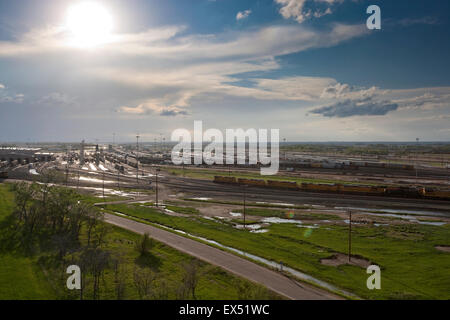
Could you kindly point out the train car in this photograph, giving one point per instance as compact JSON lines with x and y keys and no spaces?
{"x":132,"y":162}
{"x":407,"y":192}
{"x":321,"y":187}
{"x":252,"y":182}
{"x":221,"y":179}
{"x":361,"y":189}
{"x":436,"y":194}
{"x":282,"y":184}
{"x":378,"y":190}
{"x":120,"y":168}
{"x":3,"y":175}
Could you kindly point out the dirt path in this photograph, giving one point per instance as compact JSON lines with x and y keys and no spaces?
{"x":230,"y":262}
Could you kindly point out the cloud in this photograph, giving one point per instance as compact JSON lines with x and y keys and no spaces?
{"x":174,"y":68}
{"x":57,"y":98}
{"x":153,"y":106}
{"x":301,"y":10}
{"x":243,"y":14}
{"x":361,"y":107}
{"x":426,"y":101}
{"x":9,"y":97}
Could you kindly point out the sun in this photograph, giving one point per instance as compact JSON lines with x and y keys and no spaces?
{"x":89,"y":24}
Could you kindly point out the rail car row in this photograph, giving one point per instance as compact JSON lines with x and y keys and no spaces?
{"x":389,"y":191}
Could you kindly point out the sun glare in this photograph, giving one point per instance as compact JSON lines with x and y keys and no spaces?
{"x":89,"y":24}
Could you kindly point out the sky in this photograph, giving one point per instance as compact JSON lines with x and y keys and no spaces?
{"x":310,"y":68}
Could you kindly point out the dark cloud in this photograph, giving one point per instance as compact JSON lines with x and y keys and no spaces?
{"x":362,"y":107}
{"x":172,"y":113}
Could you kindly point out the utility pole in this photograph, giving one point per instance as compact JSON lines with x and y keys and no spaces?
{"x":417,"y":160}
{"x":349,"y":235}
{"x":78,"y":182}
{"x":137,"y":158}
{"x":103,"y":185}
{"x":156,"y":190}
{"x":118,"y":178}
{"x":245,"y":196}
{"x":67,"y":172}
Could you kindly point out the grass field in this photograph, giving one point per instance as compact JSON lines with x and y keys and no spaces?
{"x":20,"y":277}
{"x":40,"y":277}
{"x":411,"y":266}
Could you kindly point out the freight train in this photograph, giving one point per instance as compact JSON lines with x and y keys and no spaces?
{"x":389,"y":191}
{"x":348,"y":165}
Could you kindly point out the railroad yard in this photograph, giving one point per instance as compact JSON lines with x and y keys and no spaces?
{"x":296,"y":223}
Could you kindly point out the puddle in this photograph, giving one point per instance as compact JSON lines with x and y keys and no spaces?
{"x":396,"y":211}
{"x":248,"y":226}
{"x":406,"y":217}
{"x":276,"y":204}
{"x":236,"y":214}
{"x":309,"y":227}
{"x":381,"y":224}
{"x":280,"y":220}
{"x":259,"y":231}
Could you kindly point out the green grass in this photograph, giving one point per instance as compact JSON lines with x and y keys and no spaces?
{"x":259,"y":212}
{"x":40,"y":277}
{"x":185,"y":210}
{"x":20,"y":277}
{"x":411,"y":267}
{"x":252,"y":204}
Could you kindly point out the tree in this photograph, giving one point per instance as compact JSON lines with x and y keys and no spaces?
{"x":120,"y":277}
{"x":144,"y":245}
{"x":190,"y":280}
{"x":143,"y":279}
{"x":94,"y":261}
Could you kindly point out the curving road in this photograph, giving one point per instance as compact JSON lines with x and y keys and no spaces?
{"x":230,"y":262}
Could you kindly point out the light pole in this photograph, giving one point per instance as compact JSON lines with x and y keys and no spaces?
{"x":156,"y":190}
{"x":245,"y":196}
{"x":417,"y":160}
{"x":103,"y":185}
{"x":137,"y":158}
{"x":349,"y":235}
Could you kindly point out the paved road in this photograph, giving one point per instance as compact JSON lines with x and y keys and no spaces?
{"x":230,"y":262}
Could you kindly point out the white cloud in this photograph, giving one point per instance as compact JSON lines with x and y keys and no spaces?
{"x":58,"y":99}
{"x":301,"y":10}
{"x":243,"y":14}
{"x":9,"y":97}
